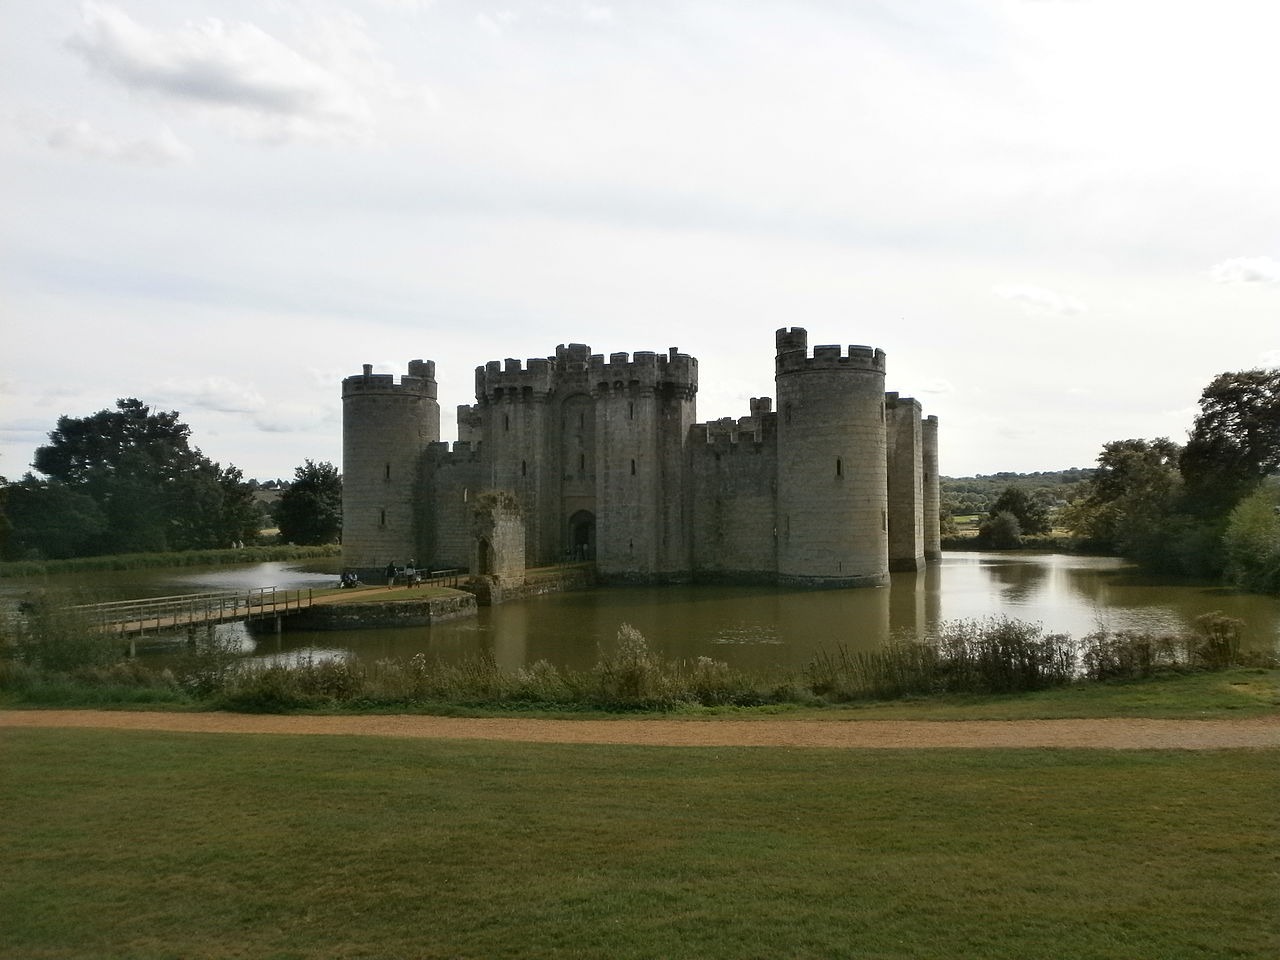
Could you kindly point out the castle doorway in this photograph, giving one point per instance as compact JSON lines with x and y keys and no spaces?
{"x":582,"y":536}
{"x":484,"y":557}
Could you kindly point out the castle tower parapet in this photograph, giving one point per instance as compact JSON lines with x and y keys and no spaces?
{"x":386,"y":429}
{"x":832,"y":473}
{"x":675,"y":372}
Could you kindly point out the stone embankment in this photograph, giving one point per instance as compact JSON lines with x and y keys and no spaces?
{"x":370,"y":612}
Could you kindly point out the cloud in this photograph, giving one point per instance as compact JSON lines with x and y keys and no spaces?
{"x":935,"y":387}
{"x":1270,"y":359}
{"x":80,"y":137}
{"x":1038,"y":301}
{"x":265,"y":88}
{"x":596,"y":13}
{"x":1247,"y":270}
{"x":497,"y":22}
{"x":217,"y":394}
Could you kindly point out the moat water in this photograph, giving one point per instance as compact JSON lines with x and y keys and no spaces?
{"x":744,"y":626}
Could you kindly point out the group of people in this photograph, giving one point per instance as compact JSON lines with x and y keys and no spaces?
{"x":412,"y":577}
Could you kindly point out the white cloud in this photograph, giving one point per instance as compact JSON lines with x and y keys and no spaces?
{"x":1038,"y":301}
{"x":596,"y":13}
{"x":935,"y":387}
{"x":265,"y":88}
{"x":1247,"y":270}
{"x":81,"y":137}
{"x":497,"y":22}
{"x":218,"y":394}
{"x":1270,"y":359}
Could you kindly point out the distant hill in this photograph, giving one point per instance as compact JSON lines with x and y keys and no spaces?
{"x":965,"y":496}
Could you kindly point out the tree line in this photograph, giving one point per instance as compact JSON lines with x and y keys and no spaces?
{"x":1208,"y":508}
{"x":129,"y":480}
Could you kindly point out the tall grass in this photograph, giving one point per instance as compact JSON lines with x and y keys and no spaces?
{"x":992,"y":656}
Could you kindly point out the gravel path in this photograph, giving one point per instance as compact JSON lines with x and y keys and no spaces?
{"x":1112,"y":734}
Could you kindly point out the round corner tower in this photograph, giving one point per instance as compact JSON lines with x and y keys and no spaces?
{"x":832,"y":469}
{"x":386,"y":427}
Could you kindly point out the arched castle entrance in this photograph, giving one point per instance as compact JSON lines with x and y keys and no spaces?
{"x":582,"y":535}
{"x":484,"y":557}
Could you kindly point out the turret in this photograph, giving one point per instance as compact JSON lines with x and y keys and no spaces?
{"x":644,"y":407}
{"x":832,"y":475}
{"x":386,"y":427}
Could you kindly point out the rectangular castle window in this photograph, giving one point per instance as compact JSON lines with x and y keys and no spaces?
{"x":382,"y":517}
{"x":633,"y":468}
{"x":386,"y":471}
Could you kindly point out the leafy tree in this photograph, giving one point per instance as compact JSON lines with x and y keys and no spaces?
{"x":1252,"y":541}
{"x":1031,"y":511}
{"x":49,"y":519}
{"x":1235,"y":441}
{"x":310,"y":511}
{"x":1132,"y":494}
{"x":153,"y":490}
{"x":1001,"y":531}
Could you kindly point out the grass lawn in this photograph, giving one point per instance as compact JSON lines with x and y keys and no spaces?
{"x":146,"y":845}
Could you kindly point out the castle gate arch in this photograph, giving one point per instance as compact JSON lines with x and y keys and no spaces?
{"x":582,"y":536}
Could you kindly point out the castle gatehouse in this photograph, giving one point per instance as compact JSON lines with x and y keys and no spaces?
{"x":602,"y":459}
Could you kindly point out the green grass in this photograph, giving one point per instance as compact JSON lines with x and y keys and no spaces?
{"x":146,"y":846}
{"x":185,"y":558}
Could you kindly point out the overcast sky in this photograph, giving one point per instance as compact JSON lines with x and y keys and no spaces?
{"x":1059,"y":219}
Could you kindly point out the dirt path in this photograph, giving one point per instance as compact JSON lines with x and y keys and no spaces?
{"x":1113,"y":734}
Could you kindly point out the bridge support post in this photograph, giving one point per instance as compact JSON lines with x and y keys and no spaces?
{"x":279,"y":624}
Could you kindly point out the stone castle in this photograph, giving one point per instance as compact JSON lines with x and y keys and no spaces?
{"x":579,"y":457}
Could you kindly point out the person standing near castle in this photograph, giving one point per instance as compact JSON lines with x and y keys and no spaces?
{"x":391,"y":574}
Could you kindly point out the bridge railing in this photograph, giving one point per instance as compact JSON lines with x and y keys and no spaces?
{"x":193,"y":609}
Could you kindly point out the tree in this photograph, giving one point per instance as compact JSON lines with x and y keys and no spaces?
{"x":154,"y":491}
{"x":1252,"y":541}
{"x":1031,"y":511}
{"x":310,"y":511}
{"x":50,"y":520}
{"x":1001,"y":531}
{"x":1235,"y":441}
{"x":1130,"y":497}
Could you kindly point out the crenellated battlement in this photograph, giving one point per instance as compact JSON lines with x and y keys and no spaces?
{"x":513,"y":380}
{"x":420,"y":381}
{"x":460,"y":451}
{"x":793,"y":355}
{"x":830,"y":482}
{"x":644,"y":369}
{"x":755,"y":429}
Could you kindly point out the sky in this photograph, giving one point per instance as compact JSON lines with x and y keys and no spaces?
{"x":1059,"y":218}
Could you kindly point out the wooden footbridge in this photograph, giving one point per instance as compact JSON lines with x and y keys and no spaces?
{"x":193,"y":612}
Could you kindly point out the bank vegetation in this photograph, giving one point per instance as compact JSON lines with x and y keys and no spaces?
{"x":51,"y":656}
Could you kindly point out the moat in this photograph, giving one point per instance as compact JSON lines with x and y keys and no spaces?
{"x":745,"y":626}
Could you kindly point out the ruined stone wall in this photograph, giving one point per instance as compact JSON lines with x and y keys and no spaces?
{"x":498,"y":533}
{"x":513,"y":400}
{"x":386,"y":427}
{"x":832,"y":466}
{"x":904,"y":446}
{"x":733,"y":468}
